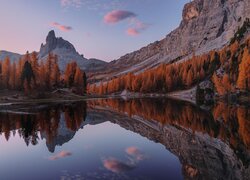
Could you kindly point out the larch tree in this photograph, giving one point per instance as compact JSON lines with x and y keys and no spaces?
{"x":13,"y":77}
{"x":243,"y":81}
{"x":35,"y":65}
{"x":190,"y":78}
{"x":19,"y":73}
{"x":78,"y":80}
{"x":56,"y":75}
{"x":6,"y":68}
{"x":218,"y":85}
{"x":70,"y":73}
{"x":27,"y":76}
{"x":226,"y":83}
{"x":42,"y":74}
{"x":84,"y":83}
{"x":1,"y":76}
{"x":48,"y":71}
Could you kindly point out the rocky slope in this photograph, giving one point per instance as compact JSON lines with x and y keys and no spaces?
{"x":206,"y":25}
{"x":66,"y":52}
{"x":13,"y":56}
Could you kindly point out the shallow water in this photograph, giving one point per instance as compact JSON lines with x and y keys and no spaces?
{"x":125,"y":139}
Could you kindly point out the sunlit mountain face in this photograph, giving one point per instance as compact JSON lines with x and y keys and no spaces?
{"x":124,"y":139}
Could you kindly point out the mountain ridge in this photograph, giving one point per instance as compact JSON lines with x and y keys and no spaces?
{"x":205,"y":26}
{"x":13,"y":56}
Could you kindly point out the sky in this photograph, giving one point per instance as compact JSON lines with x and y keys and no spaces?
{"x":102,"y":29}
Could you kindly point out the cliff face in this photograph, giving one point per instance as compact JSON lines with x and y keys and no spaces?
{"x":206,"y":25}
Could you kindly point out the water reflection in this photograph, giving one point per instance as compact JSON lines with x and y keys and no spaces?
{"x":208,"y":143}
{"x":57,"y":124}
{"x":228,"y":123}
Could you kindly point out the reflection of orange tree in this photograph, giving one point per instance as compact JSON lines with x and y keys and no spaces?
{"x":244,"y":124}
{"x":74,"y":116}
{"x":49,"y":123}
{"x":234,"y":126}
{"x":237,"y":121}
{"x":46,"y":122}
{"x":25,"y":125}
{"x":166,"y":112}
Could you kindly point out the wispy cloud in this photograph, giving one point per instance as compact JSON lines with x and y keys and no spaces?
{"x":61,"y":27}
{"x":60,"y":155}
{"x":116,"y":16}
{"x":116,"y":166}
{"x":137,"y":27}
{"x":132,"y":32}
{"x":136,"y":153}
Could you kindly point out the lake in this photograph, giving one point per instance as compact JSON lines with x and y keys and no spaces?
{"x":147,"y":138}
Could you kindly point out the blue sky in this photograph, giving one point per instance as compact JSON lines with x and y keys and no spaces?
{"x":103,"y":29}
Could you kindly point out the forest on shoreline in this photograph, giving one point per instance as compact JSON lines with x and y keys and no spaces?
{"x":32,"y":76}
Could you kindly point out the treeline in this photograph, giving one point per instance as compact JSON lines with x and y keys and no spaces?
{"x":234,"y":73}
{"x":164,"y":78}
{"x":229,"y":70}
{"x":31,"y":76}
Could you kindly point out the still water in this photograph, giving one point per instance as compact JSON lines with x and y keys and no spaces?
{"x":125,"y":139}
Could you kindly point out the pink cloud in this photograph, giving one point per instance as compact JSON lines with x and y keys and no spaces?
{"x":116,"y":16}
{"x":116,"y":166}
{"x":135,"y":152}
{"x":132,"y":32}
{"x":60,"y":155}
{"x":138,"y":27}
{"x":61,"y":27}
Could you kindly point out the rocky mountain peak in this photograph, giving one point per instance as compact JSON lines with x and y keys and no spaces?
{"x":51,"y":36}
{"x":66,"y":53}
{"x":191,"y":10}
{"x":53,"y":42}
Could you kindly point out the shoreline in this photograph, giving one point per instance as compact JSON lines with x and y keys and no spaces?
{"x":8,"y":101}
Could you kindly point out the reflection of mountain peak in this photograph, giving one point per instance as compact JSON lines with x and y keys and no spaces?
{"x":64,"y":135}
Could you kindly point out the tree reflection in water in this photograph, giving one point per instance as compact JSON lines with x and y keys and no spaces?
{"x":209,"y":143}
{"x":34,"y":126}
{"x":218,"y":137}
{"x":221,"y":121}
